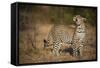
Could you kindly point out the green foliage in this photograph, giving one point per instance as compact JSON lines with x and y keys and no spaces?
{"x":54,"y":14}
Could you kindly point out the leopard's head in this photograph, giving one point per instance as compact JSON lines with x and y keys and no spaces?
{"x":79,"y":19}
{"x":46,"y":43}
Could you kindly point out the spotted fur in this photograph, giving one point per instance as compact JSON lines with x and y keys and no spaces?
{"x":59,"y":36}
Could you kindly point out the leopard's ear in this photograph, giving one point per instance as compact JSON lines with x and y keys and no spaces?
{"x":74,"y":19}
{"x":45,"y":41}
{"x":84,"y":19}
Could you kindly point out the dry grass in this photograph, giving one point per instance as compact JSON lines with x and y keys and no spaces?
{"x":28,"y":54}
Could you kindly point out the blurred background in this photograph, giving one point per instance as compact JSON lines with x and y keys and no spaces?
{"x":35,"y":22}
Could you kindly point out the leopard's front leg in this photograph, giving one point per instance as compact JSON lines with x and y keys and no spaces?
{"x":56,"y":49}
